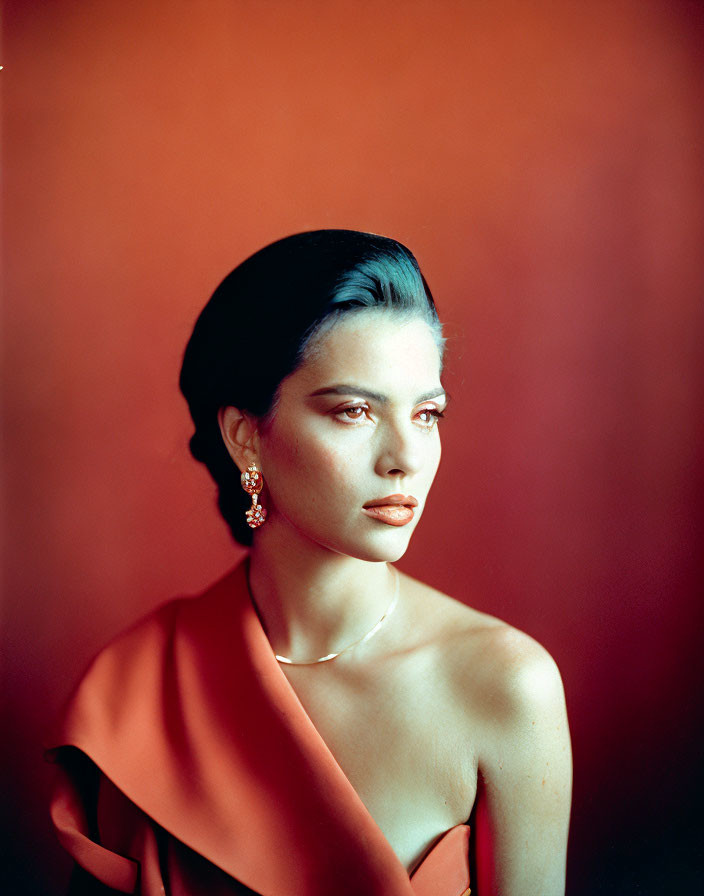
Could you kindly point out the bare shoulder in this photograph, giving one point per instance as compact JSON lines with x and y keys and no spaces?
{"x":498,"y":671}
{"x":506,"y":700}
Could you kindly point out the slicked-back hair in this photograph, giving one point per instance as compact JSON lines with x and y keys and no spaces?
{"x":264,"y":319}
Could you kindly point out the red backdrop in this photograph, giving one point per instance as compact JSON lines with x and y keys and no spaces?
{"x":544,"y":162}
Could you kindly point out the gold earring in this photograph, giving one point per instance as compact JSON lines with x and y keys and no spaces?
{"x":252,"y":483}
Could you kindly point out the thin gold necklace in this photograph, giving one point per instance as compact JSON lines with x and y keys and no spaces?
{"x":331,"y":656}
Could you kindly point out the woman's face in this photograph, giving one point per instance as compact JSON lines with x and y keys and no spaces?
{"x":357,"y":421}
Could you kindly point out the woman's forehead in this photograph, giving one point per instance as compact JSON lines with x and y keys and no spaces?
{"x":375,"y":353}
{"x":364,"y":334}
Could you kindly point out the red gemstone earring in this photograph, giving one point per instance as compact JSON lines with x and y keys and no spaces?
{"x":253,"y":483}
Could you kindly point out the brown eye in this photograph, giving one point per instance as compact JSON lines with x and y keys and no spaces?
{"x":432,"y":416}
{"x":353,"y":413}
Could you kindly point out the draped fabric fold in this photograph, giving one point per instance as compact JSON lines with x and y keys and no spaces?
{"x":198,"y":738}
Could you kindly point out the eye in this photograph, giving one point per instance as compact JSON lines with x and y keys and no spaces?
{"x":352,"y":413}
{"x":432,"y":415}
{"x":429,"y":416}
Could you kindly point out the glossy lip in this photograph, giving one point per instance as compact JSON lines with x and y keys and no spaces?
{"x":391,"y":514}
{"x":408,"y":500}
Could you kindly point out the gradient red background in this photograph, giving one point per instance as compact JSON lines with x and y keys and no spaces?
{"x":544,"y":162}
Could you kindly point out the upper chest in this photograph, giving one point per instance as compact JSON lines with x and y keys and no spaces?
{"x":400,"y":734}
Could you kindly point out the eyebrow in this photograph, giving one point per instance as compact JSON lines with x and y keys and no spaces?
{"x":347,"y":389}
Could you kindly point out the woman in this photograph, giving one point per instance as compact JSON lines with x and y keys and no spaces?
{"x":317,"y":722}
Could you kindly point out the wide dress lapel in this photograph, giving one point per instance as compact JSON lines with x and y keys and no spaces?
{"x":190,"y":715}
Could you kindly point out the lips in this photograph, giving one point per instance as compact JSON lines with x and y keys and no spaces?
{"x":394,"y":510}
{"x":390,"y":500}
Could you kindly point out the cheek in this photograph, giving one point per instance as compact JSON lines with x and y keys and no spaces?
{"x":429,"y":461}
{"x":307,"y":468}
{"x":437,"y":456}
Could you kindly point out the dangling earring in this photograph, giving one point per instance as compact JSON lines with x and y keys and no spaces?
{"x":253,"y":483}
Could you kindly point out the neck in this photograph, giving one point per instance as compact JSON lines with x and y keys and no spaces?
{"x":313,"y":601}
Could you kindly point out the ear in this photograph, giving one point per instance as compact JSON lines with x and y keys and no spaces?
{"x":240,"y":435}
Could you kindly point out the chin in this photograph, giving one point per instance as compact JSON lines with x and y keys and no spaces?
{"x":375,"y":556}
{"x":376,"y":549}
{"x":376,"y":544}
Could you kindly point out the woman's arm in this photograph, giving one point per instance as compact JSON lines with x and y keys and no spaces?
{"x":524,"y":792}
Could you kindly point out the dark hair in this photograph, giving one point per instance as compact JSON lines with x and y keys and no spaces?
{"x":267,"y":314}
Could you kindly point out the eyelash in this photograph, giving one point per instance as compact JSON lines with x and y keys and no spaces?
{"x":434,"y":412}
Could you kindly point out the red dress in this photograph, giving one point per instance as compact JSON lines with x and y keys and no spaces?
{"x":188,"y":766}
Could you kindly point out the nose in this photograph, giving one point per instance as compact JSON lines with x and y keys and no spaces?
{"x":400,"y":450}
